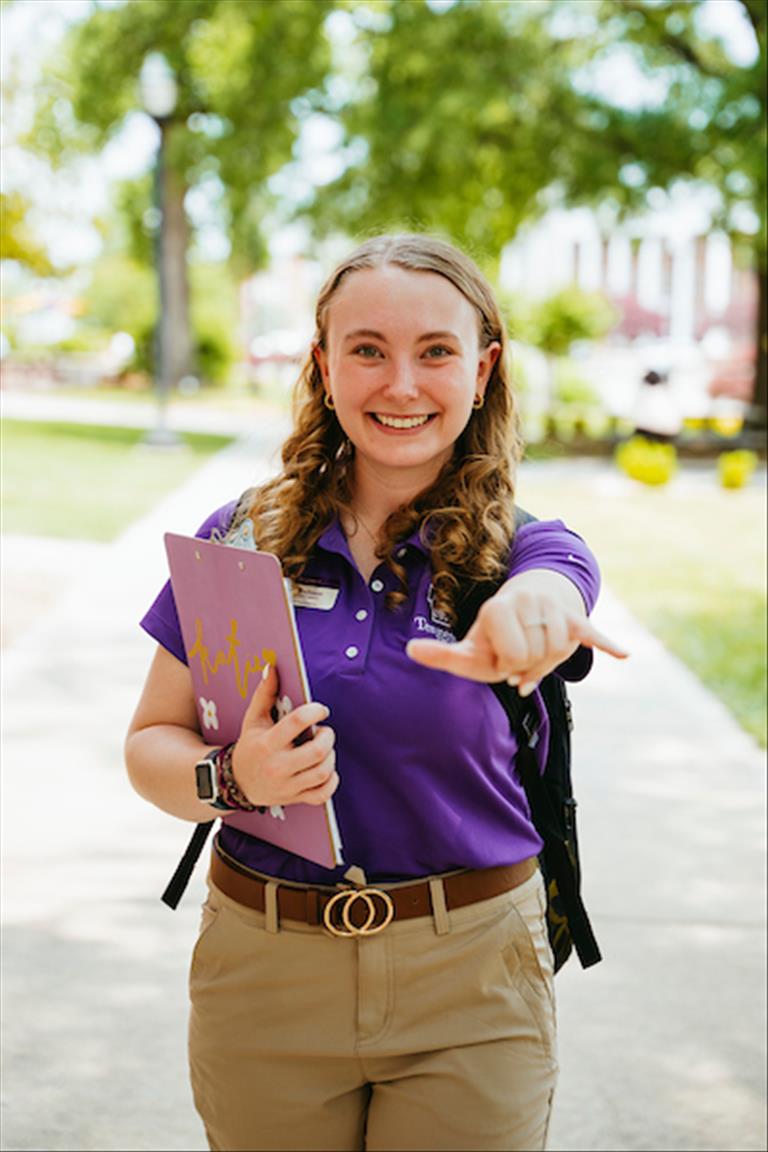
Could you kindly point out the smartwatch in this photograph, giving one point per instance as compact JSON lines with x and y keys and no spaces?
{"x":207,"y":780}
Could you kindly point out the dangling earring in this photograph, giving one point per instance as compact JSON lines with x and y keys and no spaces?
{"x":478,"y":402}
{"x":328,"y":401}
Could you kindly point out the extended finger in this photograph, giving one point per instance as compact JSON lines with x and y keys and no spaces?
{"x":586,"y":633}
{"x":462,"y":659}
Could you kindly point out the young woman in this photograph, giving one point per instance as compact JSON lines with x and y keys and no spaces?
{"x":396,"y":491}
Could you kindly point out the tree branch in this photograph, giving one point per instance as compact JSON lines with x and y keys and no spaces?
{"x":673,"y":42}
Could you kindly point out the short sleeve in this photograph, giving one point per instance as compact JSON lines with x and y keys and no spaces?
{"x":161,"y":621}
{"x":550,"y":544}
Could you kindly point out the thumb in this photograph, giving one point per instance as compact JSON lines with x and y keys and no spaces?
{"x":263,"y":700}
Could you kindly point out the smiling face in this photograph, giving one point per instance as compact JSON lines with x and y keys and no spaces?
{"x":402,"y":363}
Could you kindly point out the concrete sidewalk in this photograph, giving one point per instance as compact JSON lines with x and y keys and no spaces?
{"x":662,"y":1045}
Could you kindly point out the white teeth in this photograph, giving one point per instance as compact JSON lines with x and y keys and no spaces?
{"x":401,"y":421}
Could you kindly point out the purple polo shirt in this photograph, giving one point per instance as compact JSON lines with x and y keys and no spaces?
{"x":425,"y":759}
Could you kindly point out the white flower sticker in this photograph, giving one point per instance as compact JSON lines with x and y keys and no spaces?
{"x":210,"y":714}
{"x":277,"y":812}
{"x":283,"y":706}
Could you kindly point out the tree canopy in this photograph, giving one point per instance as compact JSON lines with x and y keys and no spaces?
{"x":465,"y":116}
{"x":474,"y":117}
{"x":246,"y":74}
{"x":462,"y":116}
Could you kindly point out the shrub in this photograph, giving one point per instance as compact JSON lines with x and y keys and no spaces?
{"x":647,"y":461}
{"x":735,"y":468}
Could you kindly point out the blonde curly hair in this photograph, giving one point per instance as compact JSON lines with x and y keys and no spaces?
{"x":467,"y":515}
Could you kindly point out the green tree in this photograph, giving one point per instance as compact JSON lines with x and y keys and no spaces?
{"x":474,"y":117}
{"x":565,"y":317}
{"x":454,"y":120}
{"x":17,"y":239}
{"x":246,"y":72}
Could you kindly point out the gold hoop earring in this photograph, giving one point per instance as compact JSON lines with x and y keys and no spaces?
{"x":328,"y":401}
{"x":478,"y":402}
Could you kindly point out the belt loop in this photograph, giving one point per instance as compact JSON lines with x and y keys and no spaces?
{"x":439,"y":907}
{"x":270,"y":907}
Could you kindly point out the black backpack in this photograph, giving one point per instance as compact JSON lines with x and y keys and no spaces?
{"x":550,"y":794}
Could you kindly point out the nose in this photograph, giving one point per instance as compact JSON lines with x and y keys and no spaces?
{"x":401,"y":382}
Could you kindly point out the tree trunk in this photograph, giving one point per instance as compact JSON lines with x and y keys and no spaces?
{"x":175,"y":359}
{"x":757,"y":418}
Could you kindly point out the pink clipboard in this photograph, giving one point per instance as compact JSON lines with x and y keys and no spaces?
{"x":236,"y":616}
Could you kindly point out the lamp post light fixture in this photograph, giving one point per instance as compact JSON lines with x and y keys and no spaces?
{"x":159,"y":95}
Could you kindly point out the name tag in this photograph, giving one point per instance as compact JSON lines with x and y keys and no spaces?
{"x":307,"y":594}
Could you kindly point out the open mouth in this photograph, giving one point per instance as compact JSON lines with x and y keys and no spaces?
{"x":401,"y":422}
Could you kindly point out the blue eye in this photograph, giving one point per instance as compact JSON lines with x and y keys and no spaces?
{"x":367,"y":351}
{"x":438,"y":352}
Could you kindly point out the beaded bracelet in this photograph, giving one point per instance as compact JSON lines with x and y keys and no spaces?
{"x":229,"y":790}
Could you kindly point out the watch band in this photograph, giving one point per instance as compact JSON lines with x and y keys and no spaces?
{"x":207,"y":780}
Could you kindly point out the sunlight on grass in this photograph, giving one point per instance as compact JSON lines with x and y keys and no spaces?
{"x":689,"y":560}
{"x":89,"y":482}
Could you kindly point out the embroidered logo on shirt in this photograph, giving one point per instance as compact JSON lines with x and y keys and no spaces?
{"x":435,"y":614}
{"x":438,"y":625}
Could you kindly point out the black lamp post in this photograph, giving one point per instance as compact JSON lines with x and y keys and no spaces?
{"x":159,"y":93}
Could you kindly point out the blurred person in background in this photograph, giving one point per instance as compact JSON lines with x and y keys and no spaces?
{"x":656,"y":415}
{"x":436,"y":1030}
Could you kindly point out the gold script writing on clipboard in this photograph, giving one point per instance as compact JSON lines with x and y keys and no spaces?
{"x":229,"y":658}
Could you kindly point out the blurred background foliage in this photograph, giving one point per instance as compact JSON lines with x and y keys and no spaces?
{"x":457,"y":116}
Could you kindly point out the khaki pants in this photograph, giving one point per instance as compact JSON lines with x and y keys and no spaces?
{"x":439,"y":1033}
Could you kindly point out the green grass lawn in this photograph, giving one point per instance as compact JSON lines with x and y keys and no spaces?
{"x":690,"y":561}
{"x":88,"y":482}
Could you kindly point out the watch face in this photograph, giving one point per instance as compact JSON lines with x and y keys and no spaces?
{"x":204,"y":774}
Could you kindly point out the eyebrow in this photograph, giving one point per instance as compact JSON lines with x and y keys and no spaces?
{"x":371,"y":333}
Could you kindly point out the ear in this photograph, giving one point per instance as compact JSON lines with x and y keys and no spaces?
{"x":322,"y":362}
{"x":485,"y":365}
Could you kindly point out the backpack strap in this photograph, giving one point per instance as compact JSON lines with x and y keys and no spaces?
{"x":556,"y":830}
{"x":525,"y":720}
{"x":178,"y":883}
{"x":242,"y":508}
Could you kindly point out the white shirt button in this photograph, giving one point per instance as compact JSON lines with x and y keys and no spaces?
{"x":377,"y":585}
{"x":351,"y":652}
{"x":361,"y":615}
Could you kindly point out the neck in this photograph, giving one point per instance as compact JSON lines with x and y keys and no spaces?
{"x":375,"y":497}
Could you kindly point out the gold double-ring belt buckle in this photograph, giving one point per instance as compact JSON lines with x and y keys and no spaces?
{"x":337,"y":914}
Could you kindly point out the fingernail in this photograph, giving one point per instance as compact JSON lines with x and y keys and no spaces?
{"x":265,"y":673}
{"x":526,"y":689}
{"x":513,"y":681}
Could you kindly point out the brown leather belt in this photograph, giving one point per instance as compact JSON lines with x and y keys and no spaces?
{"x":351,"y":911}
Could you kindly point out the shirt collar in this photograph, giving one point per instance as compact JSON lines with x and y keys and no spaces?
{"x":333,"y":539}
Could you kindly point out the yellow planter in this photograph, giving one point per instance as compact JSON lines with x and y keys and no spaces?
{"x":647,"y":461}
{"x":735,"y":468}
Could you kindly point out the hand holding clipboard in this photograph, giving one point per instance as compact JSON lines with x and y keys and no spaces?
{"x":237,"y":623}
{"x":288,"y":760}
